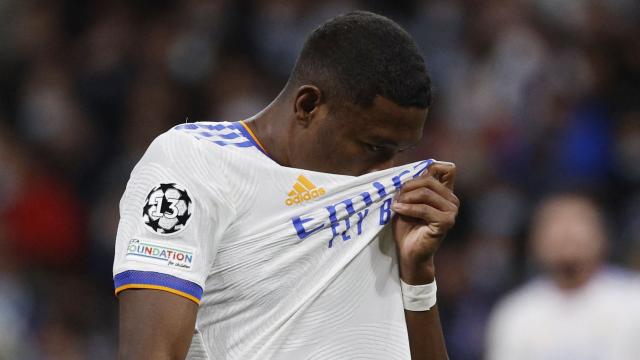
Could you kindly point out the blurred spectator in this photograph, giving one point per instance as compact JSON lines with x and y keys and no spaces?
{"x":41,"y":217}
{"x":15,"y":306}
{"x":579,"y":308}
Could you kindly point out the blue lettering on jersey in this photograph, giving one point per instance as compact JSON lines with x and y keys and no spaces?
{"x":385,"y":212}
{"x":298,"y":224}
{"x":335,"y":223}
{"x":338,"y":216}
{"x":361,"y":216}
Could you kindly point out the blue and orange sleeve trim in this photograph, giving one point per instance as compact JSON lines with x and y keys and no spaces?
{"x":133,"y":279}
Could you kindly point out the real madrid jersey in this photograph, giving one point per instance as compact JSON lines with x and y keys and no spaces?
{"x":285,"y":263}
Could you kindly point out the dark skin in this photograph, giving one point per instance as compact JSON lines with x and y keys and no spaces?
{"x":304,"y":129}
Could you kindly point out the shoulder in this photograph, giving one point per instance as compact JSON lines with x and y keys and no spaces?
{"x":169,"y":146}
{"x":226,"y":135}
{"x":222,"y":140}
{"x":193,"y":145}
{"x":188,"y":137}
{"x":617,"y":285}
{"x":212,"y":155}
{"x":529,"y":291}
{"x":524,"y":298}
{"x":180,"y":155}
{"x":615,"y":276}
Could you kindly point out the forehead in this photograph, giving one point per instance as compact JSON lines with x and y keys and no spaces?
{"x":385,"y":120}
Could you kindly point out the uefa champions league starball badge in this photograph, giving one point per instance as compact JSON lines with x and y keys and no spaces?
{"x":167,"y":209}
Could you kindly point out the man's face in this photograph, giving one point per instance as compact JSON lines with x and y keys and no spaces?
{"x":351,"y":140}
{"x":568,"y":239}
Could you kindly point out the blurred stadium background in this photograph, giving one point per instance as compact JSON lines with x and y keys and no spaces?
{"x":532,"y":97}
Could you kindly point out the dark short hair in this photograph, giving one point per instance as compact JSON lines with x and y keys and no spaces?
{"x":359,"y":55}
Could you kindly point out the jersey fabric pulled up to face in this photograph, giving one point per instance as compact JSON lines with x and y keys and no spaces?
{"x":285,"y":263}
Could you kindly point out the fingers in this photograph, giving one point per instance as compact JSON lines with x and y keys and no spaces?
{"x":425,"y":195}
{"x":426,"y":213}
{"x":430,"y":197}
{"x":430,"y":183}
{"x":445,"y":172}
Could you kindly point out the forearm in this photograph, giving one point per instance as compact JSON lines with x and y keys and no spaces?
{"x":426,"y":209}
{"x":426,"y":339}
{"x":425,"y":335}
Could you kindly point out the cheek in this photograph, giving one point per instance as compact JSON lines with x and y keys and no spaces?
{"x":330,"y":150}
{"x":335,"y":157}
{"x":316,"y":153}
{"x":350,"y":159}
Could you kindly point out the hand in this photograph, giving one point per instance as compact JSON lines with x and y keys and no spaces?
{"x":427,"y":209}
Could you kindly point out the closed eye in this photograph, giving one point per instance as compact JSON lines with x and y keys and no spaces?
{"x":374,"y":148}
{"x":412,"y":147}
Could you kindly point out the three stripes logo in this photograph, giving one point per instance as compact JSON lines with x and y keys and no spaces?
{"x":303,"y":190}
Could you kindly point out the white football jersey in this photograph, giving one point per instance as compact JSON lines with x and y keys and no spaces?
{"x":285,"y":263}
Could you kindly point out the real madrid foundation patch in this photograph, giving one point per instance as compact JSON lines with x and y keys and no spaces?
{"x":167,"y":209}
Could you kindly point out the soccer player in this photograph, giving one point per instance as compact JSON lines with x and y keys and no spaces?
{"x":291,"y":235}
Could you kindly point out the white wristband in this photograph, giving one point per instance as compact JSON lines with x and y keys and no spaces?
{"x":418,"y":297}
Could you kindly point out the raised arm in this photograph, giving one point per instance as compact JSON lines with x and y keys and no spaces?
{"x":155,"y":324}
{"x":427,"y":207}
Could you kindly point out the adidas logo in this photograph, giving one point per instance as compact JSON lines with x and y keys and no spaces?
{"x":303,"y":190}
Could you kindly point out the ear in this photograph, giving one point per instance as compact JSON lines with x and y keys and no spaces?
{"x":307,"y":100}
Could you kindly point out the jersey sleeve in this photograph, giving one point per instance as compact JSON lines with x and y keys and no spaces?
{"x":172,"y":216}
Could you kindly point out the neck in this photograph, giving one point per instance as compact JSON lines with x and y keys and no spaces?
{"x":576,"y":277}
{"x":271,"y":126}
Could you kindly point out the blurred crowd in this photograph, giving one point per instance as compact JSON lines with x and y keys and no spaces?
{"x":532,"y":98}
